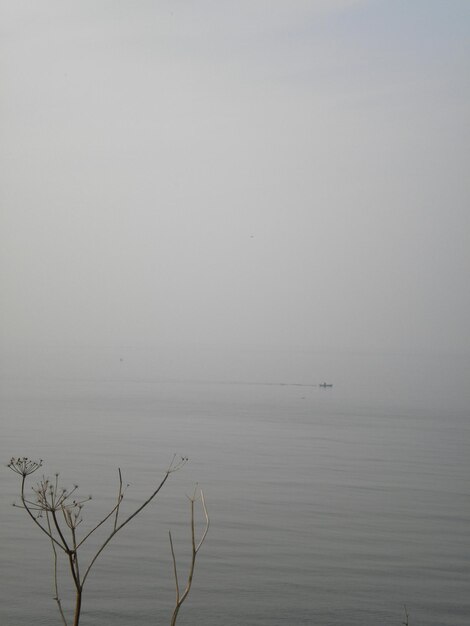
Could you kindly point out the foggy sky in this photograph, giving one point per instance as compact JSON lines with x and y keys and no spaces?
{"x":270,"y":173}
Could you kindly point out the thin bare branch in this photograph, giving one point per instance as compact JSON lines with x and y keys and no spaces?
{"x":56,"y":584}
{"x":195,"y":548}
{"x":206,"y":529}
{"x":119,"y":499}
{"x":59,"y":531}
{"x":175,"y":570}
{"x":172,"y":468}
{"x":113,"y":510}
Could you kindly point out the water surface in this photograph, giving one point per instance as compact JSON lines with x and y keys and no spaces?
{"x":328,"y":506}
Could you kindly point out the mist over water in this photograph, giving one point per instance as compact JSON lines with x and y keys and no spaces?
{"x":207,"y":210}
{"x":328,"y":506}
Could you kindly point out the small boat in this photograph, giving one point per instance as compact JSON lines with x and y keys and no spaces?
{"x":325,"y":385}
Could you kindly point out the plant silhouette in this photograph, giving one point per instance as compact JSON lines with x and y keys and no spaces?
{"x":57,"y":512}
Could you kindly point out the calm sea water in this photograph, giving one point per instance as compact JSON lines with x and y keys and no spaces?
{"x":331,"y":507}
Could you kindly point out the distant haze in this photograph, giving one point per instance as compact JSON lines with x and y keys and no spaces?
{"x":266,"y":174}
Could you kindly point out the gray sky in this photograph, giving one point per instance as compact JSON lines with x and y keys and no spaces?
{"x":270,"y":173}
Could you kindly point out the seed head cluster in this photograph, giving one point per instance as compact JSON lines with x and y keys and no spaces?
{"x":49,"y":497}
{"x":24,"y":466}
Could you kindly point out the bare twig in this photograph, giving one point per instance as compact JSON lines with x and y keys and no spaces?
{"x":181,"y":597}
{"x":56,"y":584}
{"x":100,"y":523}
{"x":119,"y":499}
{"x":172,"y":468}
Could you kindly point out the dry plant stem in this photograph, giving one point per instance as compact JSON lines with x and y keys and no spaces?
{"x":74,"y":569}
{"x":50,"y":500}
{"x":181,"y":597}
{"x":118,"y":499}
{"x":114,"y":510}
{"x":128,"y":519}
{"x":56,"y":584}
{"x":73,"y":564}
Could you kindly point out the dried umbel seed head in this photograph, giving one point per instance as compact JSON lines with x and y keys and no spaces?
{"x":51,"y":497}
{"x":23,"y":465}
{"x":175,"y":464}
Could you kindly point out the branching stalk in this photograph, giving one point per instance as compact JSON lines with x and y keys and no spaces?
{"x":181,"y":597}
{"x":62,"y":530}
{"x":170,"y":470}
